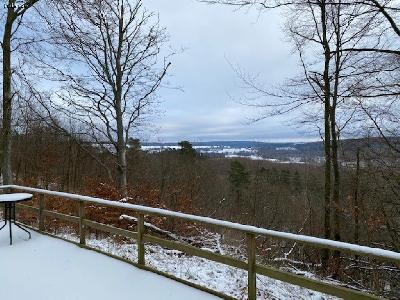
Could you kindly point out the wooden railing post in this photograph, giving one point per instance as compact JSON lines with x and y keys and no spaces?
{"x":251,"y":269}
{"x":82,"y":229}
{"x":140,"y":230}
{"x":41,"y":209}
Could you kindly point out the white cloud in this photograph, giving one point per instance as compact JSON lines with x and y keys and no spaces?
{"x":212,"y":35}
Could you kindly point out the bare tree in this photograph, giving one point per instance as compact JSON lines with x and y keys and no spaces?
{"x":320,"y":31}
{"x":109,"y":52}
{"x":15,"y":10}
{"x":375,"y":93}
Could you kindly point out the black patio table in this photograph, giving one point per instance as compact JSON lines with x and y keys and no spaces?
{"x":9,"y":201}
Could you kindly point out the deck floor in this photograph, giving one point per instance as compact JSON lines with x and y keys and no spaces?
{"x":48,"y":268}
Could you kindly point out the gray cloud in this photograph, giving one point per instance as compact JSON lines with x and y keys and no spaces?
{"x":212,"y":37}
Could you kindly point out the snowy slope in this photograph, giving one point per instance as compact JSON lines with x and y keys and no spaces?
{"x":47,"y":269}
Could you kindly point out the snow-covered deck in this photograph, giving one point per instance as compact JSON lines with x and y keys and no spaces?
{"x":48,"y":268}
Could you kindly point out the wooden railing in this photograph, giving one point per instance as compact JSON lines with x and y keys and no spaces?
{"x":251,"y":232}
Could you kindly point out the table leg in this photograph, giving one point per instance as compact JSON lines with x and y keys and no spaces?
{"x":20,"y":227}
{"x":5,"y":217}
{"x":16,"y":224}
{"x":9,"y":219}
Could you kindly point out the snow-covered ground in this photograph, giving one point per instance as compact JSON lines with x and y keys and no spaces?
{"x":230,"y":152}
{"x":228,"y":280}
{"x":47,"y":269}
{"x":201,"y":149}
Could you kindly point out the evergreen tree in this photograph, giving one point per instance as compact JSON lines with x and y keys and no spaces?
{"x":285,"y":177}
{"x":239,"y":179}
{"x":187,"y":149}
{"x":134,"y":144}
{"x":296,"y":182}
{"x":238,"y":176}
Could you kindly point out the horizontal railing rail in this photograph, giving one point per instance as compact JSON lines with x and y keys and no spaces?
{"x":251,"y":232}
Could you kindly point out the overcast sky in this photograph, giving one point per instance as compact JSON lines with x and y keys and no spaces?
{"x":213,"y":38}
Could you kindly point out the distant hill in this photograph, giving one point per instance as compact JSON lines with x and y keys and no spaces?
{"x":242,"y":144}
{"x":283,"y":152}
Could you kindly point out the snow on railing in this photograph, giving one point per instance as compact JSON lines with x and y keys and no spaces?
{"x":250,"y":231}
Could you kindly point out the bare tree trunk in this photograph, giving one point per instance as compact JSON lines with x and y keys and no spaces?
{"x":327,"y":137}
{"x":121,"y":147}
{"x":122,"y":180}
{"x":334,"y":135}
{"x":121,"y":142}
{"x":336,"y":180}
{"x":356,"y":201}
{"x":7,"y":95}
{"x":336,"y":184}
{"x":13,"y":12}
